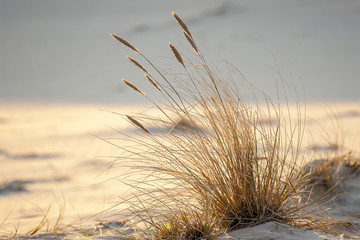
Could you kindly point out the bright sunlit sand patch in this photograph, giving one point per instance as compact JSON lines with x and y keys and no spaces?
{"x":53,"y":156}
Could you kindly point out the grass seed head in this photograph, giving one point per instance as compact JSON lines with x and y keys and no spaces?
{"x":136,"y":63}
{"x":176,"y":54}
{"x":126,"y":43}
{"x":182,"y":24}
{"x":191,"y":41}
{"x":132,"y":86}
{"x":136,"y":123}
{"x":153,"y":83}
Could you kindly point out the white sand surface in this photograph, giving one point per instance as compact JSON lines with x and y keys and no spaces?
{"x":54,"y":156}
{"x":272,"y":230}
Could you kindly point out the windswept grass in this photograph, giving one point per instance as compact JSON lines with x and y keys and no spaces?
{"x":238,"y":165}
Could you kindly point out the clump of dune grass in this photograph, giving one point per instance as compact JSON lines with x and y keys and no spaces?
{"x":239,"y":167}
{"x":330,"y":172}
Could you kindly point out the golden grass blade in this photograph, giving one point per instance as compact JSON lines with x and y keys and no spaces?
{"x":132,"y":86}
{"x":176,"y":54}
{"x":136,"y":63}
{"x":152,"y":82}
{"x":40,"y":225}
{"x":182,"y":24}
{"x":36,"y":229}
{"x":126,"y":43}
{"x":191,"y":41}
{"x":136,"y":123}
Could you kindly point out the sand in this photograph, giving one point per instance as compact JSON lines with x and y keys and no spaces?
{"x":55,"y":161}
{"x":276,"y":231}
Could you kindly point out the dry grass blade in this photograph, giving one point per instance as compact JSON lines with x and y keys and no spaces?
{"x":37,"y":228}
{"x":132,"y":86}
{"x":136,"y":123}
{"x":176,"y":54}
{"x":136,"y":63}
{"x":126,"y":43}
{"x":40,"y":225}
{"x":182,"y":24}
{"x":191,"y":41}
{"x":153,"y":83}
